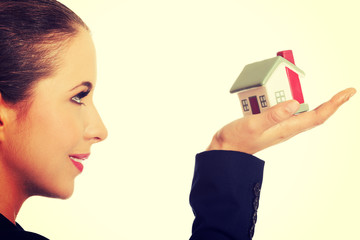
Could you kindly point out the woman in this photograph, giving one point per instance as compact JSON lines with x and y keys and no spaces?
{"x":48,"y":120}
{"x":48,"y":123}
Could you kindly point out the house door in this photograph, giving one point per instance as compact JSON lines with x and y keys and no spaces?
{"x":254,"y":104}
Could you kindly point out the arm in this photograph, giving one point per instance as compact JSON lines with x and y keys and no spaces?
{"x":225,"y":195}
{"x":222,"y":194}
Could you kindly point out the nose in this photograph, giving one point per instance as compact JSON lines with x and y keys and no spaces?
{"x":95,"y":130}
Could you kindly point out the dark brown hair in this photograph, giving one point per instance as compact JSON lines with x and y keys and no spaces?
{"x":32,"y":32}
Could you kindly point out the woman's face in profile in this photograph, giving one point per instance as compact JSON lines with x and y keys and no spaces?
{"x":44,"y":147}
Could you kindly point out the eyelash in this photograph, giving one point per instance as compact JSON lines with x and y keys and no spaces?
{"x":77,"y":98}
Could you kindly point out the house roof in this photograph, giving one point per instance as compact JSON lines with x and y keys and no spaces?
{"x":258,"y":73}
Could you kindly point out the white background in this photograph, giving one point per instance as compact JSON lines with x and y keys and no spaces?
{"x":164,"y":73}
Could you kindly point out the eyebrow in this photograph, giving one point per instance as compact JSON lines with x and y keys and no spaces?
{"x":86,"y":84}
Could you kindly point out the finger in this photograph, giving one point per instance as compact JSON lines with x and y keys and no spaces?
{"x":322,"y":113}
{"x":325,"y":110}
{"x":308,"y":120}
{"x":274,"y":115}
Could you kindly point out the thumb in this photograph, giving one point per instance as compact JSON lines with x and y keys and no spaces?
{"x":277,"y":114}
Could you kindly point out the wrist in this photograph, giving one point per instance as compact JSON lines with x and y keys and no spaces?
{"x":215,"y":143}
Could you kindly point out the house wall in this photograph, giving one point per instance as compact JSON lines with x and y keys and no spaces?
{"x":278,"y":82}
{"x":257,"y":91}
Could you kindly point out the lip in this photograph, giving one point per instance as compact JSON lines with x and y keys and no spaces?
{"x":77,"y":160}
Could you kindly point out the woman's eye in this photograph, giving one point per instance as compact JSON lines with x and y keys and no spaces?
{"x":78,"y":97}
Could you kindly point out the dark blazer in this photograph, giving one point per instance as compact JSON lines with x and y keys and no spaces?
{"x":225,"y":195}
{"x":9,"y":231}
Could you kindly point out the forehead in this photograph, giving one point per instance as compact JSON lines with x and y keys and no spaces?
{"x":77,"y":64}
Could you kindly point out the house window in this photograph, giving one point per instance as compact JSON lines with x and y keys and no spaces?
{"x":263,"y":101}
{"x":280,"y":96}
{"x":245,"y":105}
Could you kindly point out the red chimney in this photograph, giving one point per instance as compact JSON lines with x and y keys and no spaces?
{"x":293,"y":77}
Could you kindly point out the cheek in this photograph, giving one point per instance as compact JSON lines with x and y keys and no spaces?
{"x":39,"y":151}
{"x":55,"y":129}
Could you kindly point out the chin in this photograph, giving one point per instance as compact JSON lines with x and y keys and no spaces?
{"x":55,"y":187}
{"x":64,"y":192}
{"x":65,"y":196}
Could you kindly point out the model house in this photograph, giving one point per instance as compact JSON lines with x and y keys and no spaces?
{"x":263,"y":84}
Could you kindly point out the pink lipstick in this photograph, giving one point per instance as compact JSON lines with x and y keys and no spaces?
{"x":77,"y":160}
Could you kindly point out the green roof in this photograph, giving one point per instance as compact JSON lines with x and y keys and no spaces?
{"x":258,"y":73}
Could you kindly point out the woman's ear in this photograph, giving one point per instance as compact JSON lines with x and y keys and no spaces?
{"x":2,"y":113}
{"x":5,"y":113}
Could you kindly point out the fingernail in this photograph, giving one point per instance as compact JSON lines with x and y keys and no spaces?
{"x":292,"y":107}
{"x":352,"y":93}
{"x":347,"y":97}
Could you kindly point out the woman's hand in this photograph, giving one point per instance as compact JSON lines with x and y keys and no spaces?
{"x":254,"y":133}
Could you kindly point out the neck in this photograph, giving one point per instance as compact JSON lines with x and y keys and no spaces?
{"x":12,"y":195}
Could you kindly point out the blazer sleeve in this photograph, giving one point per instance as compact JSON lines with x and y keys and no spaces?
{"x":225,"y":195}
{"x":21,"y":235}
